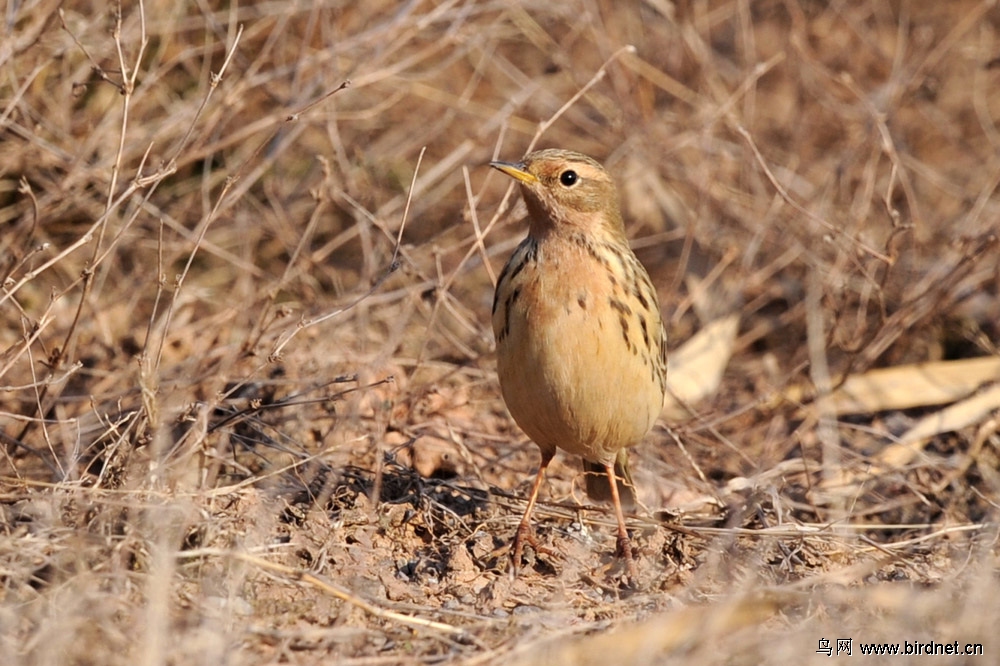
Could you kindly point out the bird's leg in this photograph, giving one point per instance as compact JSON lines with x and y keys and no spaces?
{"x":624,"y":546}
{"x":524,"y":532}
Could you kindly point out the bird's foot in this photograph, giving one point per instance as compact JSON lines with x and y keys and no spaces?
{"x":623,"y":550}
{"x":515,"y":549}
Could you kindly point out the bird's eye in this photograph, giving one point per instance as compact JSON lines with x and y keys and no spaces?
{"x":568,"y":178}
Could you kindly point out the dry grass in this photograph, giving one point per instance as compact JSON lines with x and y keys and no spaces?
{"x":241,"y":425}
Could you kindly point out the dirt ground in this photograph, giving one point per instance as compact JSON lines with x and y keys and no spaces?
{"x":249,"y":411}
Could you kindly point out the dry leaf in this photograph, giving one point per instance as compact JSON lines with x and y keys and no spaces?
{"x":909,"y":386}
{"x":957,"y":416}
{"x":695,"y":370}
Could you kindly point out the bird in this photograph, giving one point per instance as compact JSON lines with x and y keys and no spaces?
{"x":580,"y":340}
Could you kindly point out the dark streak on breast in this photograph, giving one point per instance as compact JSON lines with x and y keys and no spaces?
{"x":641,"y":297}
{"x":588,"y":247}
{"x":628,"y":342}
{"x":620,"y":306}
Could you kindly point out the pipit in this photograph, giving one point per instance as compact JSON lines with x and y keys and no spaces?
{"x":581,"y":349}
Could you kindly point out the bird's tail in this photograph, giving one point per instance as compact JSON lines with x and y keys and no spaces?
{"x":598,"y":487}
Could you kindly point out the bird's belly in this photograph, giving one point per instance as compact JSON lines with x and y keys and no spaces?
{"x":568,"y":374}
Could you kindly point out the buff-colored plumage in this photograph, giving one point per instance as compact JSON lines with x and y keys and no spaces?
{"x":581,"y":350}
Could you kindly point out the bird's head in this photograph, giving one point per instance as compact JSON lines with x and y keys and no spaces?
{"x":566,"y":192}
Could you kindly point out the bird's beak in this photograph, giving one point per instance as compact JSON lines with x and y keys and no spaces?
{"x":515,"y":171}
